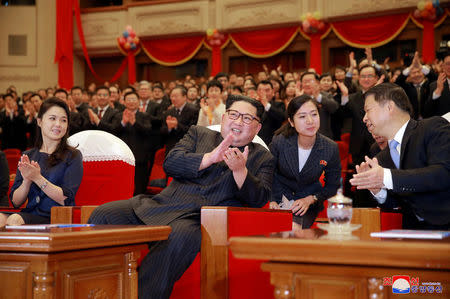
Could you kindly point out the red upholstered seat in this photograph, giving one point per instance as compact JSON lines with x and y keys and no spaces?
{"x":108,"y":168}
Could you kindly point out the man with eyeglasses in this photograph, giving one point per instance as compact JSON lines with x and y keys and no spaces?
{"x":104,"y":116}
{"x":208,"y":168}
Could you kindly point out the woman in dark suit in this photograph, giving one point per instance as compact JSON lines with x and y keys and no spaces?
{"x":302,"y":155}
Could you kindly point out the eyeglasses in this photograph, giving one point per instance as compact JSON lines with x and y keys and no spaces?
{"x":367,"y":76}
{"x":246,"y":118}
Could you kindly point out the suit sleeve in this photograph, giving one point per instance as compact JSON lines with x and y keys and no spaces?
{"x":329,"y":104}
{"x":435,"y":176}
{"x":182,"y":161}
{"x":276,"y":187}
{"x":256,"y":190}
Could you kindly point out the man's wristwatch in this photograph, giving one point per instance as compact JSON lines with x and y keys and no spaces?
{"x":315,"y":198}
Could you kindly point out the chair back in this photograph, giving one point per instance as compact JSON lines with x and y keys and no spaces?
{"x":108,"y":168}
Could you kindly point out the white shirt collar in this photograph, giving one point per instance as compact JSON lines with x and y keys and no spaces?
{"x":399,"y":135}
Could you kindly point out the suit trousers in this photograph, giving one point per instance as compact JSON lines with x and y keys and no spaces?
{"x":168,"y":259}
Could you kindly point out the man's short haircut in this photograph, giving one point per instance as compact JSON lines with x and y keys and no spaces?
{"x":214,"y":83}
{"x":180,"y":87}
{"x":220,"y":75}
{"x":130,"y":93}
{"x":59,"y":90}
{"x":113,"y":86}
{"x":265,"y":82}
{"x":309,"y":73}
{"x":238,"y":88}
{"x":76,"y":87}
{"x":339,"y":67}
{"x":325,"y":75}
{"x":157,"y":86}
{"x":194,"y":86}
{"x":130,"y":87}
{"x":103,"y":87}
{"x":9,"y":94}
{"x":366,"y":66}
{"x":389,"y":91}
{"x":238,"y":98}
{"x":35,"y":95}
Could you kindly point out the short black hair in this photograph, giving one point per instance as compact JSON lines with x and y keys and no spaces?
{"x":59,"y":90}
{"x":129,"y":93}
{"x":390,"y":92}
{"x":180,"y":87}
{"x":325,"y":75}
{"x":105,"y":88}
{"x":292,"y":108}
{"x":157,"y":86}
{"x":371,"y":66}
{"x":265,"y":82}
{"x":309,"y":73}
{"x":220,"y":75}
{"x":238,"y":88}
{"x":36,"y":95}
{"x":76,"y":87}
{"x":214,"y":83}
{"x":238,"y":98}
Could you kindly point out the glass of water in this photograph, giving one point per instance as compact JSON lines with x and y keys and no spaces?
{"x":339,"y":210}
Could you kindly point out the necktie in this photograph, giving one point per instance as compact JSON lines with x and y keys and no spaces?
{"x":418,"y":98}
{"x":395,"y":155}
{"x":100,"y":112}
{"x":178,"y":111}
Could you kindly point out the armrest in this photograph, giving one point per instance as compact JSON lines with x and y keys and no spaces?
{"x":218,"y":224}
{"x":369,"y":218}
{"x":71,"y":214}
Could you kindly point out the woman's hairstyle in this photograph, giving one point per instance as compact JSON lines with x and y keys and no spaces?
{"x":63,"y":148}
{"x":283,"y":91}
{"x":287,"y":130}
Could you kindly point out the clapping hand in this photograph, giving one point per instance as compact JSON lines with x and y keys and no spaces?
{"x":369,"y":176}
{"x":30,"y":170}
{"x":235,"y":159}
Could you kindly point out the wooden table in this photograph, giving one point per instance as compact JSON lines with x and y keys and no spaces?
{"x":306,"y":266}
{"x":86,"y":262}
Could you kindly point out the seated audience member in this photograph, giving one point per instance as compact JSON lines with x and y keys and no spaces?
{"x":274,"y":111}
{"x":178,"y":119}
{"x":193,"y":96}
{"x":249,"y":83}
{"x":134,"y":127}
{"x":211,"y":108}
{"x":302,"y":155}
{"x":77,"y":122}
{"x":115,"y":98}
{"x":4,"y":180}
{"x":415,"y":169}
{"x":328,"y":106}
{"x":417,"y":87}
{"x":49,"y":174}
{"x":289,"y":92}
{"x":13,"y":124}
{"x":30,"y":114}
{"x":104,"y":116}
{"x":224,"y":79}
{"x":252,"y":93}
{"x":205,"y":170}
{"x":439,"y":102}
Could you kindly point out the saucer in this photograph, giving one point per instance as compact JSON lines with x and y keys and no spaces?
{"x":338,"y":237}
{"x":338,"y":229}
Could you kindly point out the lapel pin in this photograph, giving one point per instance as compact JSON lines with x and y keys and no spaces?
{"x":323,"y":162}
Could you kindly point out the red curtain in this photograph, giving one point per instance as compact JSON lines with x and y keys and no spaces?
{"x":64,"y":43}
{"x":315,"y":44}
{"x":264,"y":43}
{"x":216,"y":57}
{"x":370,"y":32}
{"x":172,"y":51}
{"x":428,"y":51}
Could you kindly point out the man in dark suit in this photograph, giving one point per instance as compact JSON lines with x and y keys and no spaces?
{"x":178,"y":119}
{"x":208,"y":168}
{"x":133,"y":127}
{"x":327,"y":105}
{"x":417,"y":87}
{"x":104,"y":117}
{"x":274,"y":111}
{"x":13,"y":124}
{"x":415,"y":168}
{"x":439,"y":101}
{"x":77,"y":121}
